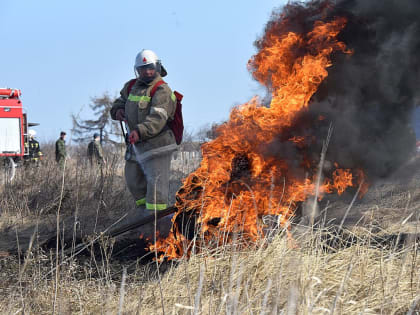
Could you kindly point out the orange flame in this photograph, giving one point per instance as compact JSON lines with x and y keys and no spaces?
{"x":236,"y":184}
{"x":342,"y":180}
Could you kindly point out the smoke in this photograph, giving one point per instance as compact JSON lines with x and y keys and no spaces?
{"x":368,"y":96}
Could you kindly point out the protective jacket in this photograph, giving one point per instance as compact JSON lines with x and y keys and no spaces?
{"x":34,"y":150}
{"x":60,"y":150}
{"x":149,"y":116}
{"x":94,"y":152}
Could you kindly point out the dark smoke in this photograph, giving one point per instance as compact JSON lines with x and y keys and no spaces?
{"x":368,"y":97}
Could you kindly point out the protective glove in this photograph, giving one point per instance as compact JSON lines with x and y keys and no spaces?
{"x":134,"y":137}
{"x":120,"y":114}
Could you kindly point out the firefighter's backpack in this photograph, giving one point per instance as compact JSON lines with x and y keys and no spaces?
{"x":177,"y":124}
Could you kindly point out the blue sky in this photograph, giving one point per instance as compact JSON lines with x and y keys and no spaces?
{"x":62,"y":53}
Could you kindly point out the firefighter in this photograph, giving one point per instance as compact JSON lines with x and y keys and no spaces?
{"x":95,"y":152}
{"x":60,"y":149}
{"x":34,"y":150}
{"x":151,"y":141}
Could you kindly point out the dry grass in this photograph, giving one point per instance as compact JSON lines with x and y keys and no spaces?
{"x":268,"y":279}
{"x":309,"y":275}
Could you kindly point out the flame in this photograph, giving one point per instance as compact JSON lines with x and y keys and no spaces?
{"x":342,"y":180}
{"x":236,"y":183}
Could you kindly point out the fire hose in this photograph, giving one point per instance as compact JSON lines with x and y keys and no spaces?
{"x":149,"y":219}
{"x":121,"y":230}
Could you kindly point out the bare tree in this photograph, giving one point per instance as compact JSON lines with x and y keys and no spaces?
{"x":109,"y":130}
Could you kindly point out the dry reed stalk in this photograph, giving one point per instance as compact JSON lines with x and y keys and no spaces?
{"x":58,"y":238}
{"x":122,"y":292}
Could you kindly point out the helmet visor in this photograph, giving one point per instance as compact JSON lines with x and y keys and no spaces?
{"x":150,"y":66}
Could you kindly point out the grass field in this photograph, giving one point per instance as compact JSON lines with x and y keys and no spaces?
{"x":372,"y":267}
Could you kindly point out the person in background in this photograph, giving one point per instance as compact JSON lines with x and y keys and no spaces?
{"x":34,"y":150}
{"x":60,"y":149}
{"x":95,"y":152}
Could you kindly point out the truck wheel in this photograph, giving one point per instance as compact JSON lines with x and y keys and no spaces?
{"x":9,"y":169}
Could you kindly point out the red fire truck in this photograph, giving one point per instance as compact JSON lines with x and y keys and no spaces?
{"x":13,"y":130}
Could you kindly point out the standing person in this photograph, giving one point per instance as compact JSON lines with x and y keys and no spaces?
{"x":34,"y":149}
{"x":95,"y":152}
{"x":146,"y":104}
{"x":60,"y":149}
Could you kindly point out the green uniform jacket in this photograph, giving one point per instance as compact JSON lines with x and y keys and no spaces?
{"x":94,"y":151}
{"x":60,"y":150}
{"x":149,"y":116}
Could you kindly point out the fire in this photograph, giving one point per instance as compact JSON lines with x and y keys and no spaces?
{"x":342,"y":180}
{"x":237,"y":182}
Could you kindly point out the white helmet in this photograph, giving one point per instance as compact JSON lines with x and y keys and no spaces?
{"x":147,"y":58}
{"x":31,"y":133}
